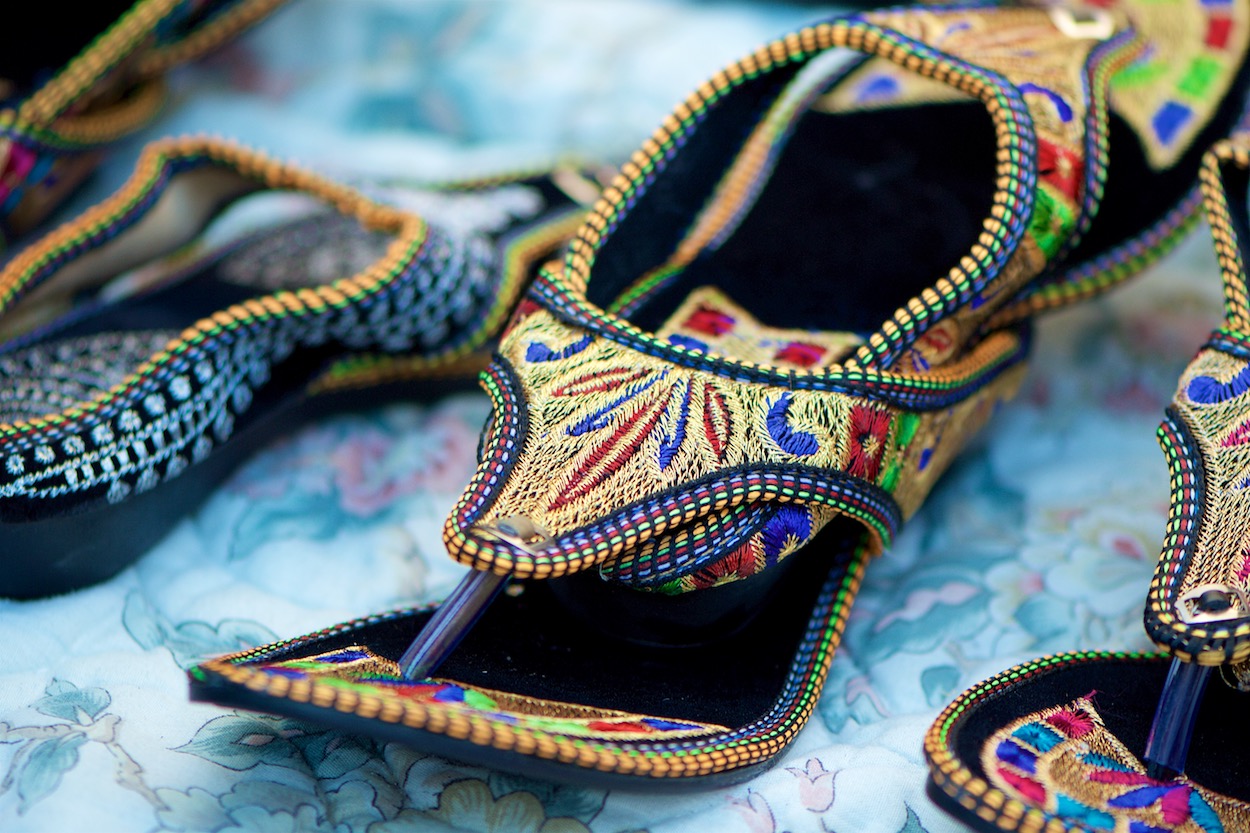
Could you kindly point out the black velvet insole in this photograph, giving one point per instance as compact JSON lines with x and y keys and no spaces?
{"x":534,"y":645}
{"x":859,"y":215}
{"x":864,"y":210}
{"x":1127,"y":693}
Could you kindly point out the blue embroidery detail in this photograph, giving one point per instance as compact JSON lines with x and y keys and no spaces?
{"x":1207,"y":391}
{"x":1140,"y":797}
{"x":1038,"y":736}
{"x":798,"y":443}
{"x":786,"y":522}
{"x":1075,"y":810}
{"x":599,"y":419}
{"x":1103,"y":762}
{"x":1017,"y":756}
{"x":881,"y":87}
{"x":1202,"y":814}
{"x":1170,"y":118}
{"x":670,"y":445}
{"x":1065,"y":110}
{"x":539,"y":352}
{"x":451,"y":694}
{"x":656,"y":723}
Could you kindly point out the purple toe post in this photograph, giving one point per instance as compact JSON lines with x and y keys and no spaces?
{"x":448,"y":626}
{"x":1173,"y":727}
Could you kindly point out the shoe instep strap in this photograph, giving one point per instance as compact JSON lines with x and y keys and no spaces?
{"x":1199,"y":601}
{"x":657,"y":457}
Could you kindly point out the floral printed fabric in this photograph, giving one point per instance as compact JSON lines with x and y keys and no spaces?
{"x":1041,"y":538}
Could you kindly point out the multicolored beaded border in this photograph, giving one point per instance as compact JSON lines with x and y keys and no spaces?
{"x":1207,"y":644}
{"x":42,"y":141}
{"x":752,"y":744}
{"x":158,"y":163}
{"x":130,"y":39}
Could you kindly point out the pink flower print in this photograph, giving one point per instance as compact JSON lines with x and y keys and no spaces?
{"x":815,"y":785}
{"x":755,"y":810}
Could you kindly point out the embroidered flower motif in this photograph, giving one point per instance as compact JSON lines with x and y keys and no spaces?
{"x":1074,"y":724}
{"x":1060,"y":167}
{"x":708,"y":320}
{"x":870,"y":428}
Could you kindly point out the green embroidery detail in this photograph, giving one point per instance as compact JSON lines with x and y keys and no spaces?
{"x":1139,"y":74}
{"x":1052,"y":221}
{"x":1203,"y":72}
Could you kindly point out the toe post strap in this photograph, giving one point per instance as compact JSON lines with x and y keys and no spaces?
{"x":1168,"y":744}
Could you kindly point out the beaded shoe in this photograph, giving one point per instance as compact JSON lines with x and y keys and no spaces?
{"x":719,"y":375}
{"x":107,"y":60}
{"x":1101,"y":741}
{"x":118,"y":416}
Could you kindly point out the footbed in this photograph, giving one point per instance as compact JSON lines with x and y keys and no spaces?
{"x":1127,"y":692}
{"x":528,"y":644}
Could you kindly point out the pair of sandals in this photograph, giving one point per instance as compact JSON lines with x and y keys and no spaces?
{"x":696,"y":403}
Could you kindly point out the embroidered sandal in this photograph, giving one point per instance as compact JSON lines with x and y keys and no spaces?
{"x":118,"y":416}
{"x":1101,"y":741}
{"x":719,"y":374}
{"x":106,"y":60}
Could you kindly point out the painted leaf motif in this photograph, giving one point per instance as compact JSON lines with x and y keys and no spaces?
{"x":41,"y":772}
{"x":912,"y":824}
{"x":240,"y":742}
{"x":558,"y":800}
{"x":333,"y":754}
{"x":69,"y":702}
{"x":189,"y":641}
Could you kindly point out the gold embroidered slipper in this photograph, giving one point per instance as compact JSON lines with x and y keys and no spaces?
{"x":119,"y":416}
{"x":720,"y":373}
{"x":1033,"y":747}
{"x":87,"y":78}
